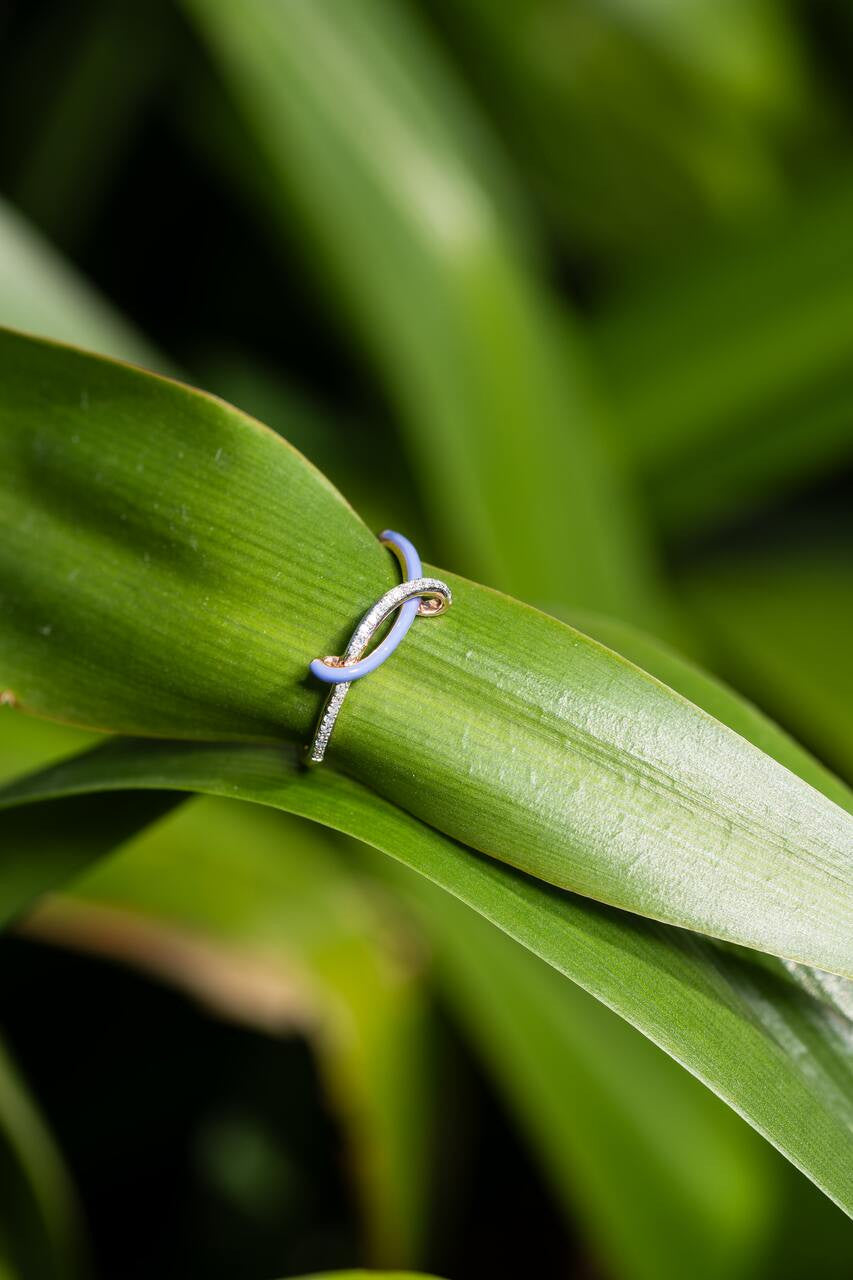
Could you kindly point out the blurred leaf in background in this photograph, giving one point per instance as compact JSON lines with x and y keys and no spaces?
{"x":782,"y":620}
{"x":41,"y":293}
{"x":640,"y":121}
{"x":215,"y":900}
{"x":253,"y":914}
{"x":500,"y":421}
{"x":730,"y":371}
{"x":41,"y":1232}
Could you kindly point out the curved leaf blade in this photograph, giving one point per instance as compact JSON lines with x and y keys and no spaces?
{"x":757,"y":388}
{"x":42,"y":293}
{"x":168,"y":566}
{"x":255,"y":914}
{"x":781,"y":620}
{"x":778,"y":1056}
{"x":602,"y":1109}
{"x":482,"y":383}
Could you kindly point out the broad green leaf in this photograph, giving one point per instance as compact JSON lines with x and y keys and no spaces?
{"x":715,"y":697}
{"x":350,"y":451}
{"x":41,"y":293}
{"x":217,"y":887}
{"x":776,"y":1053}
{"x":27,"y":743}
{"x":411,"y":225}
{"x":729,"y":373}
{"x":168,"y":566}
{"x":212,"y":897}
{"x":606,"y":1111}
{"x":735,"y":711}
{"x":253,"y":913}
{"x":41,"y":1235}
{"x":68,"y":838}
{"x":781,"y":620}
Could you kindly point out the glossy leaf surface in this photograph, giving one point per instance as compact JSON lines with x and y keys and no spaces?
{"x":605,"y":1110}
{"x":168,"y":566}
{"x":775,"y":1052}
{"x":274,"y":921}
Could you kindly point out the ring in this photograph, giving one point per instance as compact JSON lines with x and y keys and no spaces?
{"x":415,"y":596}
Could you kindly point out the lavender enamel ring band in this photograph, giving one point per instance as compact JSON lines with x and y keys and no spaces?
{"x":415,"y":596}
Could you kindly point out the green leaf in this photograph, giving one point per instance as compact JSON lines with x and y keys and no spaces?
{"x":254,"y":914}
{"x":715,"y":697}
{"x":781,"y":620}
{"x":116,"y":54}
{"x":637,"y":121}
{"x":40,"y":292}
{"x":27,"y":743}
{"x":733,"y":710}
{"x":481,"y":383}
{"x":604,"y":1109}
{"x":374,"y":479}
{"x":757,"y":383}
{"x":41,"y":1236}
{"x":68,"y":838}
{"x":778,"y":1054}
{"x":168,"y":566}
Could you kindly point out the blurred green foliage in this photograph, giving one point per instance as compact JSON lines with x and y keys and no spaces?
{"x":565,"y":289}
